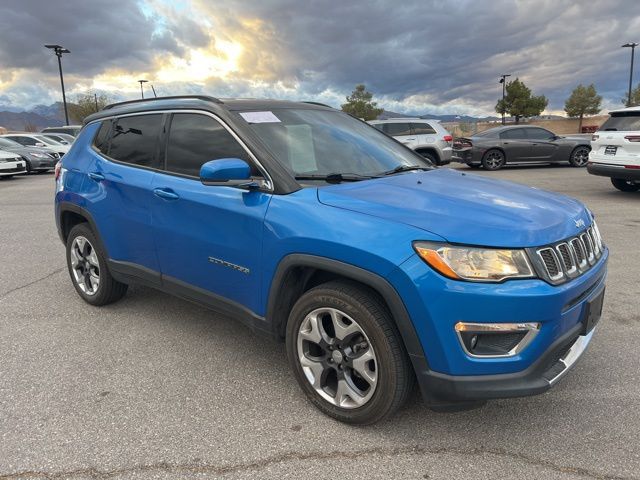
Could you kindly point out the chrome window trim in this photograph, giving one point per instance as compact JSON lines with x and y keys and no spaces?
{"x":531,"y":328}
{"x":267,"y":184}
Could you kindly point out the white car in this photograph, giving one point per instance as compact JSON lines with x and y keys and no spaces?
{"x":426,"y":137}
{"x":615,"y":149}
{"x":38,"y":140}
{"x":11,"y":164}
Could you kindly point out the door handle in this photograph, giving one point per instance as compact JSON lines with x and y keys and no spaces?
{"x":98,"y":177}
{"x":165,"y":193}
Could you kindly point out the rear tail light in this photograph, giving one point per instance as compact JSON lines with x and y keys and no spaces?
{"x":448,"y":138}
{"x":632,"y":167}
{"x":632,"y":138}
{"x":594,"y":137}
{"x":57,"y":170}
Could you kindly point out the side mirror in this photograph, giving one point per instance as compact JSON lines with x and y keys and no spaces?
{"x":40,"y":144}
{"x":229,"y":172}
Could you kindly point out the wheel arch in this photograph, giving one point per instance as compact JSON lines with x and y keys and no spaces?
{"x":297,"y":273}
{"x":428,"y":149}
{"x":71,"y":215}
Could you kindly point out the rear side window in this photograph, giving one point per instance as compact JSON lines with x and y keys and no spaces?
{"x":196,"y":139}
{"x":397,"y":129}
{"x":622,"y":122}
{"x":513,"y":133}
{"x":101,"y":141}
{"x":135,"y":140}
{"x":422,"y":129}
{"x":539,"y":134}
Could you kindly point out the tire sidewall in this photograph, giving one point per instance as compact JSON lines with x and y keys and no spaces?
{"x":572,"y":160}
{"x":382,"y":398}
{"x":484,"y":158}
{"x":85,"y":231}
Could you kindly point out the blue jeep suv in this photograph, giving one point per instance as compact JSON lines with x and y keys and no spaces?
{"x":376,"y":269}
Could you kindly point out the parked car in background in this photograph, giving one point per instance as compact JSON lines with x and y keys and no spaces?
{"x":11,"y":164}
{"x":375,"y":268}
{"x":37,"y":159}
{"x":615,"y":149}
{"x":427,"y":137}
{"x":63,"y":138}
{"x":37,"y":140}
{"x":494,"y":148}
{"x":72,"y":130}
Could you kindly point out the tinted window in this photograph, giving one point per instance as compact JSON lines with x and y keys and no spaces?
{"x":135,"y":140}
{"x":397,"y":129}
{"x":196,"y":139}
{"x":513,"y":133}
{"x":539,"y":134}
{"x":101,"y":142}
{"x":422,"y":129}
{"x":623,"y":122}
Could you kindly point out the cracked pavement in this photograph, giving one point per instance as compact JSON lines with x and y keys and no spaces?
{"x":155,"y":387}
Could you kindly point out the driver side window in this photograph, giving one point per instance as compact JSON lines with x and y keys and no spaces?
{"x":196,"y":139}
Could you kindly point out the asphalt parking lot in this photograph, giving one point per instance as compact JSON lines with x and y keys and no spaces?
{"x":155,"y":387}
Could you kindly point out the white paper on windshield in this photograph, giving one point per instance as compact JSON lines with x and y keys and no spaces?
{"x":260,"y":117}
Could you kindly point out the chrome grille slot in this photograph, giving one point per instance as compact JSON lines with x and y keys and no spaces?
{"x":578,"y":249}
{"x":551,"y":263}
{"x":594,"y":241}
{"x":586,"y":240}
{"x":568,"y":262}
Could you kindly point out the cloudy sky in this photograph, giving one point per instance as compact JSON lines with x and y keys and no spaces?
{"x":416,"y":56}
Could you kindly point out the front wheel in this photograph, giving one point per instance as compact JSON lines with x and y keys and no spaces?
{"x":625,"y":185}
{"x":346,"y":353}
{"x":493,"y":160}
{"x":580,"y":156}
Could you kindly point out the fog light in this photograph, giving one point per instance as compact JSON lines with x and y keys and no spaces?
{"x":491,"y":340}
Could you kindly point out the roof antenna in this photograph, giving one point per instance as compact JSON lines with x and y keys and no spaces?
{"x":154,"y":90}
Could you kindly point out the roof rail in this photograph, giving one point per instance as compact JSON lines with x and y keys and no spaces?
{"x":140,"y":100}
{"x":319,"y":104}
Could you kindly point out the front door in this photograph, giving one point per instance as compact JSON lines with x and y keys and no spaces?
{"x":207,"y":237}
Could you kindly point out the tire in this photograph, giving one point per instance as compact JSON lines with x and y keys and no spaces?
{"x":430,"y":156}
{"x":88,"y":268}
{"x":580,"y":156}
{"x":625,"y":185}
{"x":493,"y":159}
{"x":336,"y":330}
{"x":28,"y":166}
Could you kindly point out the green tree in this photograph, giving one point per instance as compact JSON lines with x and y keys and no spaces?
{"x":635,"y":97}
{"x":519,"y":103}
{"x":583,"y":101}
{"x":86,"y":104}
{"x":359,"y":104}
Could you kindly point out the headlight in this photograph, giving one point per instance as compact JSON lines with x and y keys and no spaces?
{"x":475,"y":264}
{"x":39,"y":155}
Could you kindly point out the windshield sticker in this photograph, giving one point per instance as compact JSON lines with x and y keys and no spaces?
{"x":260,"y":117}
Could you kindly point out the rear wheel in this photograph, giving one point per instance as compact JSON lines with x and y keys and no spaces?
{"x":346,"y":353}
{"x":88,"y":268}
{"x":493,"y":160}
{"x":625,"y":185}
{"x":429,"y":156}
{"x":580,"y":156}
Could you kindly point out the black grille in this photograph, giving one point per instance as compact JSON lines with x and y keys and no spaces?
{"x":550,"y":263}
{"x":579,"y":251}
{"x":565,"y":254}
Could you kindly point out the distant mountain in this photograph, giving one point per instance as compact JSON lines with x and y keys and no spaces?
{"x":386,"y":114}
{"x":38,"y":117}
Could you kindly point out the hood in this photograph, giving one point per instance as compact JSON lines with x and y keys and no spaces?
{"x":5,"y":155}
{"x":464,"y":208}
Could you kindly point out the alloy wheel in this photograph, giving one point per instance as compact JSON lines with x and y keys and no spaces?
{"x":337,"y":358}
{"x":85,"y":265}
{"x":494,"y":160}
{"x":581,"y":157}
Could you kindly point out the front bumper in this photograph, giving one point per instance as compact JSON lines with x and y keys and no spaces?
{"x":448,"y":374}
{"x":613,"y":171}
{"x":12,"y":168}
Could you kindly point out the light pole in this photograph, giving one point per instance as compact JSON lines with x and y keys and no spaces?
{"x":633,"y":46}
{"x":59,"y":50}
{"x":503,"y":81}
{"x":142,"y":91}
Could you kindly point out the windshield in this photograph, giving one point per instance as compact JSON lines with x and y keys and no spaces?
{"x":623,"y":122}
{"x":320,"y":142}
{"x":44,"y":139}
{"x":5,"y":142}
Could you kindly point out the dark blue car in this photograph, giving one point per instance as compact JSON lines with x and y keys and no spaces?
{"x":376,"y":269}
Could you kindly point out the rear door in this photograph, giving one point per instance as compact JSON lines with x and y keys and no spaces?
{"x":208,"y":237}
{"x":125,"y":156}
{"x":401,"y":131}
{"x":515,"y":143}
{"x":424,"y":133}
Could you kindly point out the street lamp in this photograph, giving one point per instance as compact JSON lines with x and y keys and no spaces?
{"x":633,"y":46}
{"x":59,"y":50}
{"x":141,"y":82}
{"x":503,"y":81}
